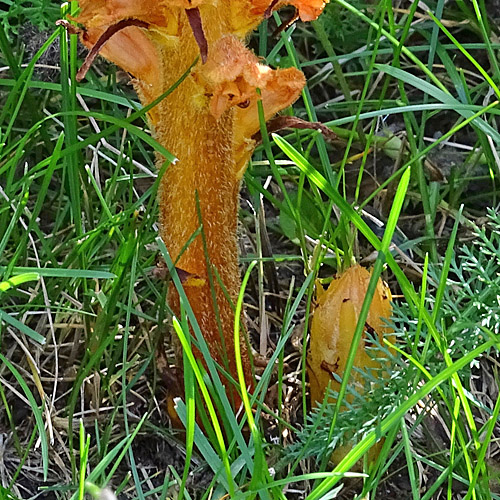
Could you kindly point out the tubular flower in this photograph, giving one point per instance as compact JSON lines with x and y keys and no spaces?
{"x":232,"y":76}
{"x":207,"y":122}
{"x":248,"y":14}
{"x":308,"y":10}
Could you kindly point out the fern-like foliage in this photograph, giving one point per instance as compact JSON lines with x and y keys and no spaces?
{"x":363,"y":409}
{"x":470,"y":306}
{"x":472,"y":299}
{"x":41,"y":13}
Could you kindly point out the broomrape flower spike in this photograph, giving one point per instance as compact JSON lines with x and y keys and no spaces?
{"x":332,"y":330}
{"x":208,"y":123}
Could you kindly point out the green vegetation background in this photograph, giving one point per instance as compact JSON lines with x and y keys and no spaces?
{"x":410,"y":188}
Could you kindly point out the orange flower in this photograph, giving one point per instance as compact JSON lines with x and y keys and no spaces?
{"x":332,"y":329}
{"x":131,"y":49}
{"x":308,"y":10}
{"x":233,"y":74}
{"x":231,"y":78}
{"x":248,"y":14}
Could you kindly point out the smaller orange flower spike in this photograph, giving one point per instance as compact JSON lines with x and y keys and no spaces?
{"x":332,"y":328}
{"x":333,"y":324}
{"x":101,"y":41}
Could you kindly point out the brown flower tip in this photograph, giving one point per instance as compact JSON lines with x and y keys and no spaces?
{"x":194,"y":19}
{"x":286,"y":122}
{"x":70,"y":28}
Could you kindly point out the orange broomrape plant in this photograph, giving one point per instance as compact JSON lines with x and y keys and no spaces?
{"x":332,"y":330}
{"x":207,"y":122}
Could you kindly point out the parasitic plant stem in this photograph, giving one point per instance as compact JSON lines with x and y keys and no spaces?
{"x":208,"y":122}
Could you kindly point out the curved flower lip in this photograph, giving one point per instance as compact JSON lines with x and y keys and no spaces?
{"x":280,"y":91}
{"x":128,"y":47}
{"x":110,"y":31}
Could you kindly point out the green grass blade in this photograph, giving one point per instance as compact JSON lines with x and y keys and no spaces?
{"x":29,"y":332}
{"x":37,"y":413}
{"x":15,"y":281}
